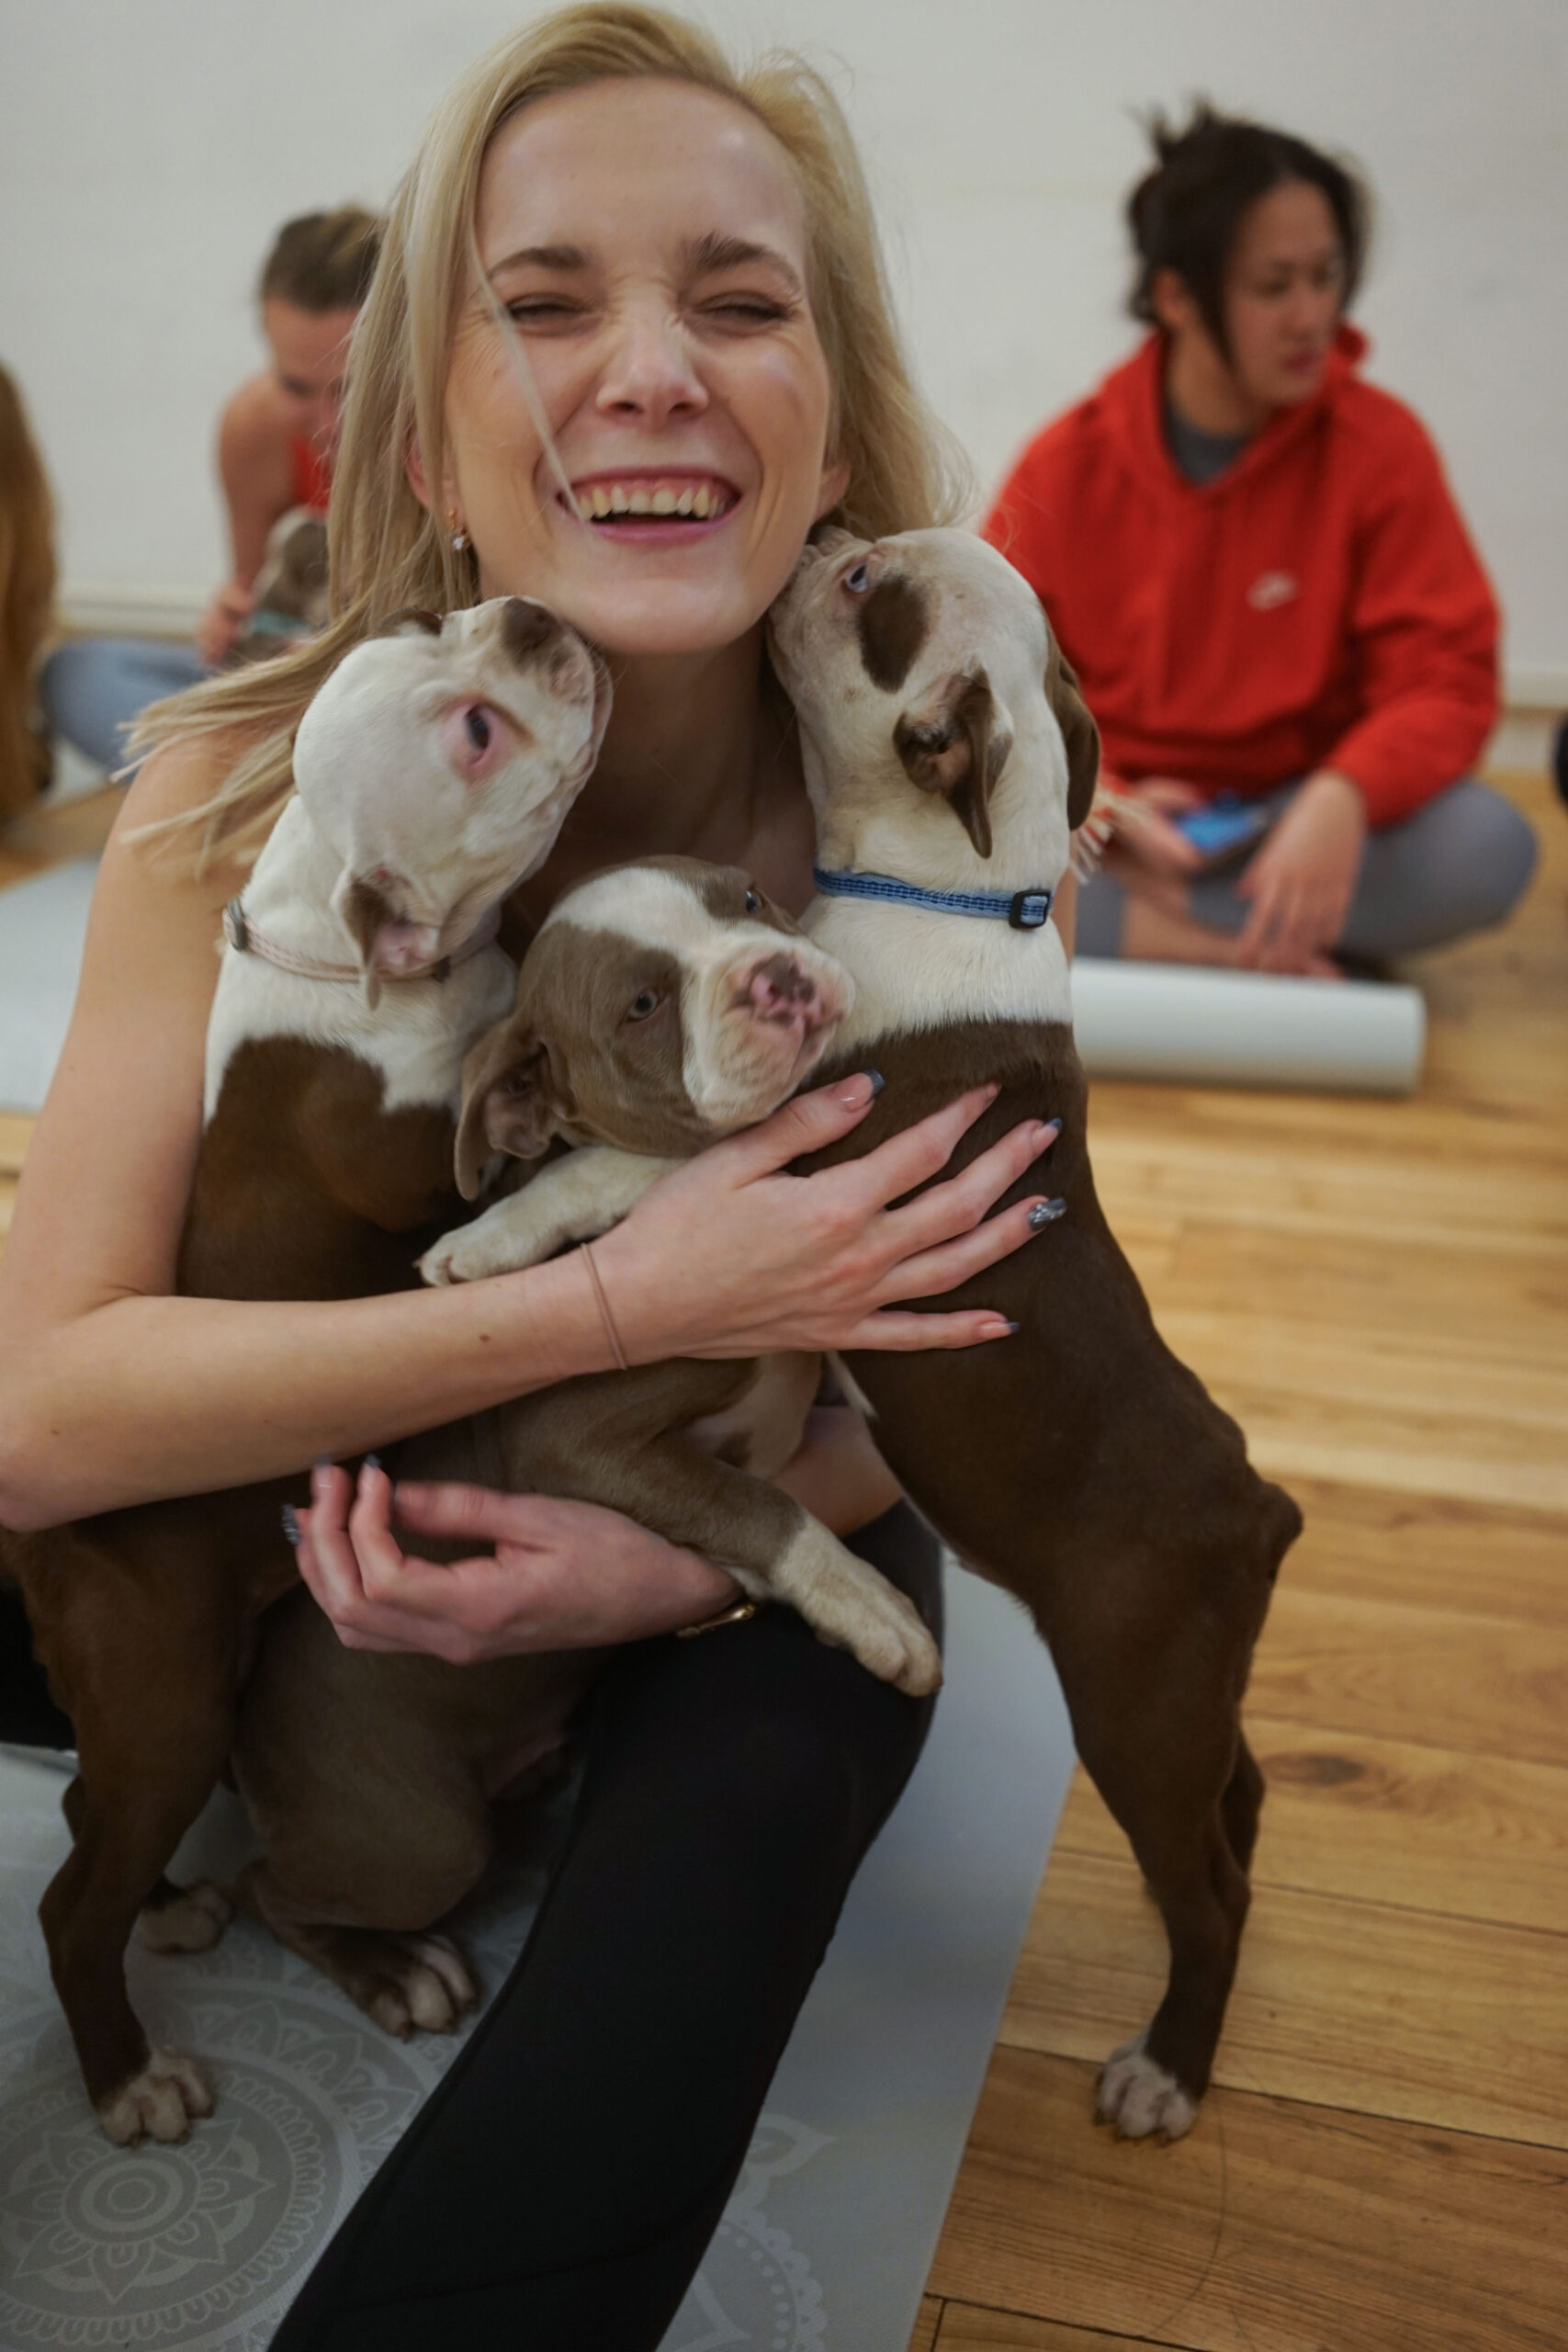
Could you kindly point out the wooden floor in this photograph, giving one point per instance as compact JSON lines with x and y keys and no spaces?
{"x":1378,"y":1291}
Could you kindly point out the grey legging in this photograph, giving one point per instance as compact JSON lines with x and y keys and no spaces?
{"x":1460,"y":864}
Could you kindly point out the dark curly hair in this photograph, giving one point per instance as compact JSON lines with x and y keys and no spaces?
{"x":1185,"y":215}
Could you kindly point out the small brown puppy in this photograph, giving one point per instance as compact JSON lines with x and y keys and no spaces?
{"x":947,"y":755}
{"x":661,"y":1006}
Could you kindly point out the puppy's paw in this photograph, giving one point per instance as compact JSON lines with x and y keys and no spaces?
{"x":1139,"y":2099}
{"x":410,"y":1982}
{"x":160,"y":2103}
{"x":192,"y":1921}
{"x":503,"y":1241}
{"x":853,"y":1607}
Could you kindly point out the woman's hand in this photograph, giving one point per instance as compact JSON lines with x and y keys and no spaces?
{"x":731,"y":1256}
{"x":1144,"y":841}
{"x":1303,"y":879}
{"x":562,"y":1576}
{"x":224,"y":622}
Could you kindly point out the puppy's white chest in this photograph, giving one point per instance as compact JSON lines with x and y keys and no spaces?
{"x":416,"y":1037}
{"x":917,"y":970}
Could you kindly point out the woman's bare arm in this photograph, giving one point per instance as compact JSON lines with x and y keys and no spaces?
{"x":114,"y":1391}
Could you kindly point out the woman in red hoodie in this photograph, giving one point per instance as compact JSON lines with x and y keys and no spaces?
{"x":1253,"y":562}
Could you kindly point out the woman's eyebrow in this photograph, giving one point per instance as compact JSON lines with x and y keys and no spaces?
{"x":560,"y":257}
{"x":715,"y":252}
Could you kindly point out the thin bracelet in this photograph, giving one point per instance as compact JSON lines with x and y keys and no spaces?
{"x":736,"y":1614}
{"x":617,"y":1352}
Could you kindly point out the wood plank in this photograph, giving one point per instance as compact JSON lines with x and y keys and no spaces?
{"x":1336,"y":2004}
{"x":1359,"y":1407}
{"x":16,"y":1133}
{"x":48,"y":836}
{"x":1509,"y":1306}
{"x":1482,"y":1685}
{"x":926,"y":2326}
{"x":968,"y":2328}
{"x":1482,"y":1838}
{"x":1431,"y":1551}
{"x":1415,"y":1173}
{"x":1272,"y":2228}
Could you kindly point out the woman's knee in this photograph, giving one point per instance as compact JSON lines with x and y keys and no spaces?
{"x":1461,"y":863}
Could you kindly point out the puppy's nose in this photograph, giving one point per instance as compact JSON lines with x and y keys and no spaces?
{"x":779,"y":989}
{"x":526,"y":626}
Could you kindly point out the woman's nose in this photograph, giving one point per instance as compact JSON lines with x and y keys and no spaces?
{"x":651,"y":371}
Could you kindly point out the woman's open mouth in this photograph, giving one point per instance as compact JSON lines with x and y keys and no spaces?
{"x":654,"y":505}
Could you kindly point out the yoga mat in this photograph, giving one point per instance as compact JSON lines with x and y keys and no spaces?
{"x":1203,"y":1028}
{"x":825,"y":2245}
{"x":42,"y":926}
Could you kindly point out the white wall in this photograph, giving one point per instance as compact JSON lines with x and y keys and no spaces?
{"x":148,"y":149}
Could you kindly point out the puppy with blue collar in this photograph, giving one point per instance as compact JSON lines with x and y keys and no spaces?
{"x":949,"y":758}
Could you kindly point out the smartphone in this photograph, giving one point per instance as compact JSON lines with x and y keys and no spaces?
{"x":1225,"y":831}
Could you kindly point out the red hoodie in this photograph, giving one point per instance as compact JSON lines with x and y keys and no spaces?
{"x":1319,"y":605}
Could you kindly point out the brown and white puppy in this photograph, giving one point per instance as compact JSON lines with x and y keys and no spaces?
{"x":1079,"y":1464}
{"x":661,"y":1006}
{"x":433,"y":770}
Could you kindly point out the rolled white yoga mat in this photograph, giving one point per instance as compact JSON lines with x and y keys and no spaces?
{"x":1207,"y":1028}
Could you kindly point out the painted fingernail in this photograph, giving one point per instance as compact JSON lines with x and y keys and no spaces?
{"x":371,"y":1462}
{"x":857,"y":1091}
{"x":1045,"y":1212}
{"x":320,"y":1471}
{"x":290,"y":1528}
{"x":1052,"y":1127}
{"x":877,"y":1082}
{"x":1004,"y":1330}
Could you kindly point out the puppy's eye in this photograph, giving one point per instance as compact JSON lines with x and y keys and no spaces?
{"x":857,"y":582}
{"x":646,"y":1002}
{"x":754,"y":903}
{"x":477,"y":726}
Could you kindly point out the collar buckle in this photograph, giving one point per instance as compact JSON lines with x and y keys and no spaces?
{"x":1030,"y":910}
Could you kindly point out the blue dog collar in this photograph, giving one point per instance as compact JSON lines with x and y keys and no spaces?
{"x":1025,"y":910}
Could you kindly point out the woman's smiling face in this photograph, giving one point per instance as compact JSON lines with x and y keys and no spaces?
{"x":647,"y":239}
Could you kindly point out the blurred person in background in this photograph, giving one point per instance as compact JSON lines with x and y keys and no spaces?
{"x":1253,"y":562}
{"x":276,"y":444}
{"x":26,"y":602}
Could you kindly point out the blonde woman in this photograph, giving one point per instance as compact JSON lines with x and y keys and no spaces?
{"x":27,"y":602}
{"x":685,"y":261}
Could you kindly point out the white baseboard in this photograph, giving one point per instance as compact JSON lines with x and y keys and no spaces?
{"x":100,"y":608}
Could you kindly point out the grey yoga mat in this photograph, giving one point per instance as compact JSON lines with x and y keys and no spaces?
{"x":825,"y":2245}
{"x":1200,"y":1028}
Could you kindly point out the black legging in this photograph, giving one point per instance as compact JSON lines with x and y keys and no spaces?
{"x":558,"y":2189}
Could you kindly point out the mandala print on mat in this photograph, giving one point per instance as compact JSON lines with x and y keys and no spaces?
{"x":756,"y":2287}
{"x":201,"y":2246}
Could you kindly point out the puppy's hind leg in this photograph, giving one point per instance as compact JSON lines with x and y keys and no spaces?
{"x":1164,"y":1770}
{"x":128,"y":1811}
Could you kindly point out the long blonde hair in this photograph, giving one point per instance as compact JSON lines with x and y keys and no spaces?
{"x":387,"y":551}
{"x":26,"y":598}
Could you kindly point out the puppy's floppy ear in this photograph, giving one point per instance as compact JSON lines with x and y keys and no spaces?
{"x":1079,"y":733}
{"x":509,"y":1102}
{"x":957,"y":744}
{"x":364,"y":913}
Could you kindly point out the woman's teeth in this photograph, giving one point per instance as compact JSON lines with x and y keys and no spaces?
{"x":699,"y":502}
